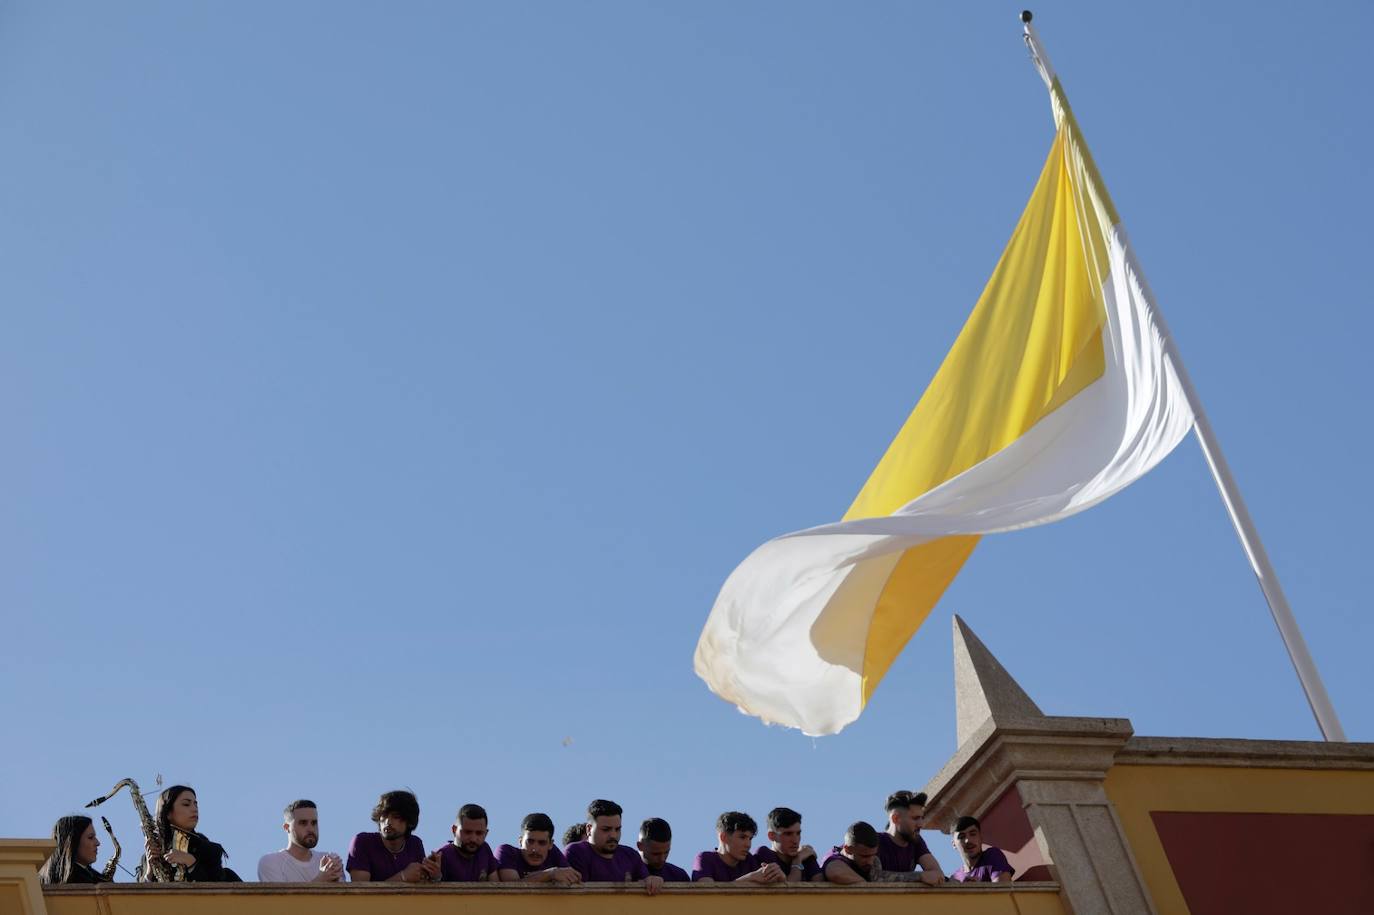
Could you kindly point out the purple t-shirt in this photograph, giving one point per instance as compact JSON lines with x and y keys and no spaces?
{"x":898,"y":858}
{"x":837,"y":854}
{"x":810,"y":867}
{"x":367,"y":853}
{"x":623,"y":866}
{"x":711,"y":864}
{"x":670,"y":873}
{"x":990,"y":861}
{"x":462,"y":869}
{"x":509,"y":857}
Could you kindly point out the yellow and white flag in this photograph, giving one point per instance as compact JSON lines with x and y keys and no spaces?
{"x":1059,"y":391}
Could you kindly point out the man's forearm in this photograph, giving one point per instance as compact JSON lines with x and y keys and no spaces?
{"x":930,"y":870}
{"x":842,"y":875}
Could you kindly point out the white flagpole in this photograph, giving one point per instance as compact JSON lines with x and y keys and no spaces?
{"x":1306,"y":669}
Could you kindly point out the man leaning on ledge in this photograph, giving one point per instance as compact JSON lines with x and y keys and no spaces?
{"x":298,"y":862}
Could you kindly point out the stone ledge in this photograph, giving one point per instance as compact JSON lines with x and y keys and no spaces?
{"x":22,"y":852}
{"x":1227,"y":751}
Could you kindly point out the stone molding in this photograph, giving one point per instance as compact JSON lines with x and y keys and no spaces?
{"x":1250,"y":754}
{"x":980,"y":774}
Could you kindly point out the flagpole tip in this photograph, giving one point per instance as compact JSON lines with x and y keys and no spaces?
{"x":1026,"y":16}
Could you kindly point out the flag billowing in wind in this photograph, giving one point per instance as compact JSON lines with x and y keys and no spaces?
{"x":1059,"y":391}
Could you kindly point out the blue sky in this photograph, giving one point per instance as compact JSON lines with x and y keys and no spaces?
{"x":388,"y":390}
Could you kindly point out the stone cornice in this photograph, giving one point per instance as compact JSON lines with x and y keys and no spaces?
{"x":21,"y":852}
{"x":1213,"y":751}
{"x":999,"y":754}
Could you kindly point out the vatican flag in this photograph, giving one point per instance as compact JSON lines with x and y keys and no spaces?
{"x":1060,"y":390}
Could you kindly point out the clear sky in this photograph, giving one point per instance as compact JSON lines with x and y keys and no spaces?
{"x":387,"y":389}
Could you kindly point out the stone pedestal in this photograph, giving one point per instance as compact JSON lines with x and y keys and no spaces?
{"x":1041,"y":777}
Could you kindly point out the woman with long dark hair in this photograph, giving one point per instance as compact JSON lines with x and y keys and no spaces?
{"x":190,"y":854}
{"x":71,"y":860}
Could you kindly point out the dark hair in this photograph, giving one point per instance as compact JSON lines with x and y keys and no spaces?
{"x":163,"y":812}
{"x":67,"y":833}
{"x":398,"y":803}
{"x":782,"y":818}
{"x":603,"y":808}
{"x":471,"y":812}
{"x":537,"y":822}
{"x":861,"y":833}
{"x":574,"y":833}
{"x":734,"y":821}
{"x":900,"y":800}
{"x":292,"y":807}
{"x":965,"y":822}
{"x":655,"y":829}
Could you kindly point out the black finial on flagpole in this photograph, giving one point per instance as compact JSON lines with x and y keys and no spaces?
{"x":1025,"y":15}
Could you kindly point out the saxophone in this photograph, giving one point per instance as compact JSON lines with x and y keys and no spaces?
{"x":110,"y":865}
{"x":159,"y":868}
{"x":181,"y":841}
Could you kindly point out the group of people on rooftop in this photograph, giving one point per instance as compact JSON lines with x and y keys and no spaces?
{"x":591,"y":852}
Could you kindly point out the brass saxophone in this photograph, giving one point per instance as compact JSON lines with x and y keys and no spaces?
{"x":159,"y":868}
{"x":110,"y":865}
{"x":181,"y":841}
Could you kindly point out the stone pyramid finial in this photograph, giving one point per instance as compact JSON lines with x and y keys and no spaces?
{"x":983,"y":690}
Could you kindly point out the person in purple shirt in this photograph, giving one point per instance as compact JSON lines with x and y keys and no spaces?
{"x":574,"y":833}
{"x":901,"y":848}
{"x":655,"y":842}
{"x":468,"y":858}
{"x":393,"y":853}
{"x":856,"y":861}
{"x":536,"y":859}
{"x":731,"y":862}
{"x":982,"y":864}
{"x":600,"y":858}
{"x":798,"y":861}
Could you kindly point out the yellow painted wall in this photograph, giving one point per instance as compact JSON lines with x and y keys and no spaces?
{"x":12,"y":897}
{"x":20,"y":892}
{"x":1135,"y":790}
{"x":249,"y":899}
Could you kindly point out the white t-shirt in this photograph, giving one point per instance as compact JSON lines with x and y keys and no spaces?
{"x":280,"y":867}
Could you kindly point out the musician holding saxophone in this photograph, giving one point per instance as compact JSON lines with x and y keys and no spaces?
{"x":192,"y":856}
{"x":72,"y":860}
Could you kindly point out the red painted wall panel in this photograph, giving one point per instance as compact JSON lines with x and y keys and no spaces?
{"x":1006,"y":825}
{"x":1227,"y":863}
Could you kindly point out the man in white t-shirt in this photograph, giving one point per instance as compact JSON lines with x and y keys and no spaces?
{"x":298,"y":862}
